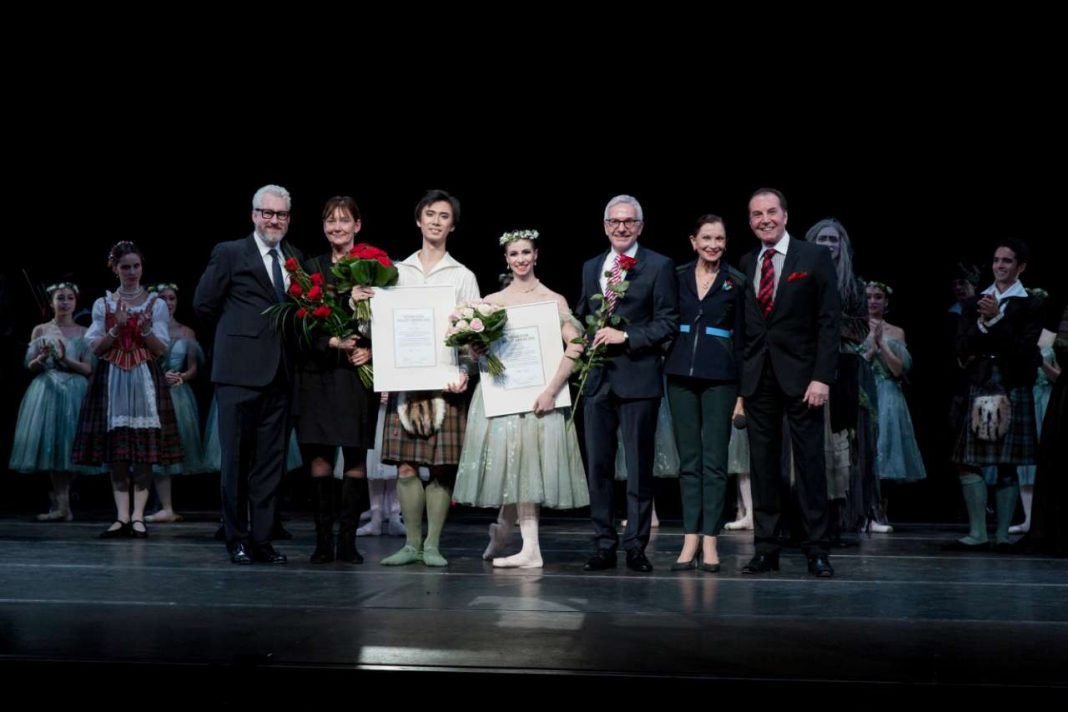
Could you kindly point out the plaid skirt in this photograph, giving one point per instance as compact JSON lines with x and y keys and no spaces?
{"x":441,"y":448}
{"x":1020,"y":443}
{"x":95,"y":444}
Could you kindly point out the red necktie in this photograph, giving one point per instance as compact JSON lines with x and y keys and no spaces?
{"x":766,"y":295}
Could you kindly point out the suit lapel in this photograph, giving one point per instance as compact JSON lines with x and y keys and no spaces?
{"x":689,"y":280}
{"x":788,"y":264}
{"x":258,"y":267}
{"x":721,"y":276}
{"x":634,"y":271}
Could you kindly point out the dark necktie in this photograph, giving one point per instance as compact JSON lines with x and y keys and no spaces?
{"x":276,"y":275}
{"x":766,"y":295}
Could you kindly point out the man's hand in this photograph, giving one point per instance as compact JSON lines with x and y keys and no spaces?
{"x":608,"y":335}
{"x":816,"y":394}
{"x":988,"y":307}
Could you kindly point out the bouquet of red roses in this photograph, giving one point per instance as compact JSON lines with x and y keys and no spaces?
{"x":316,"y":305}
{"x":364,"y":266}
{"x":315,"y":302}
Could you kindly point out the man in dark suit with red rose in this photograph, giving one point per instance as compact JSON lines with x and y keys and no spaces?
{"x":625,"y":393}
{"x":790,"y":353}
{"x":253,"y":372}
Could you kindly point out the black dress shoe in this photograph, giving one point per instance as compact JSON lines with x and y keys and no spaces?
{"x":122,"y":532}
{"x":819,"y":565}
{"x":601,"y":561}
{"x":761,"y":563}
{"x":239,"y":554}
{"x":636,"y":561}
{"x":266,"y":554}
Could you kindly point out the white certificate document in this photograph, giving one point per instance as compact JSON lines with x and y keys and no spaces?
{"x":413,"y":337}
{"x":520,"y":352}
{"x":530,"y":350}
{"x":408,"y":327}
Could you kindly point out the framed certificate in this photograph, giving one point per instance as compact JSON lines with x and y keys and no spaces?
{"x":530,"y":350}
{"x":408,"y":327}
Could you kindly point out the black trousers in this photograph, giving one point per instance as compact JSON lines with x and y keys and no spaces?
{"x":765,"y":410}
{"x":604,"y":413}
{"x":254,"y":425}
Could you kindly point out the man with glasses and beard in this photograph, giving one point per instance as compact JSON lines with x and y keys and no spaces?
{"x":252,"y":372}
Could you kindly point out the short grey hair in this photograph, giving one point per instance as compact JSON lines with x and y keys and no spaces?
{"x":629,"y":200}
{"x":257,"y":199}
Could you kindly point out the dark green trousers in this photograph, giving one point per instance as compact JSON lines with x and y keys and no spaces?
{"x":702,"y":411}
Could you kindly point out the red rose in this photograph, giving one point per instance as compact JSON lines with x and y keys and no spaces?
{"x":295,"y":289}
{"x":292,"y":265}
{"x":321,"y":312}
{"x":316,"y":278}
{"x":363,"y":251}
{"x":626,"y":262}
{"x":302,"y":313}
{"x":315,"y":294}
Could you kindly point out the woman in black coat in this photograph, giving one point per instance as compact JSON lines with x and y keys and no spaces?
{"x":334,"y":409}
{"x":702,"y":381}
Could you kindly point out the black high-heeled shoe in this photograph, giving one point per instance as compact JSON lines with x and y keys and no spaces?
{"x":690,"y":565}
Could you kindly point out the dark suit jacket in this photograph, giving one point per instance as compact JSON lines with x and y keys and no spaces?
{"x":1011,"y":343}
{"x":650,"y":308}
{"x":232,"y":295}
{"x":801,"y":335}
{"x":696,"y":353}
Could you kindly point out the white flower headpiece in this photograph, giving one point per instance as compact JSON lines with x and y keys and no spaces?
{"x":518,"y":235}
{"x":62,"y":285}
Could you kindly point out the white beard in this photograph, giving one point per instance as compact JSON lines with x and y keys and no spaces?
{"x":268,"y":240}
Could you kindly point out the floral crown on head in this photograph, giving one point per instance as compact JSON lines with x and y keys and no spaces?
{"x":880,"y":285}
{"x":518,"y":235}
{"x":51,"y":289}
{"x":163,"y":286}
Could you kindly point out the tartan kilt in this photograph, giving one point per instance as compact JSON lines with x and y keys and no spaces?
{"x":94,"y":444}
{"x":441,"y":448}
{"x":1018,"y":447}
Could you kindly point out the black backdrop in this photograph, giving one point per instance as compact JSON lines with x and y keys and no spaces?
{"x":921,"y":179}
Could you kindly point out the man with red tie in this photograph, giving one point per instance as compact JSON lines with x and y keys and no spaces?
{"x":790,"y":351}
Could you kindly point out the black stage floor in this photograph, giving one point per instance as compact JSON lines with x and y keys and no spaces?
{"x":900,"y":616}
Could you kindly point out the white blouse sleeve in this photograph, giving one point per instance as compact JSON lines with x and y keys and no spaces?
{"x":161,"y":321}
{"x":96,"y":331}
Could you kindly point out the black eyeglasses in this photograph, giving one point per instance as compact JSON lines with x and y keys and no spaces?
{"x":628,"y":223}
{"x":282,"y":215}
